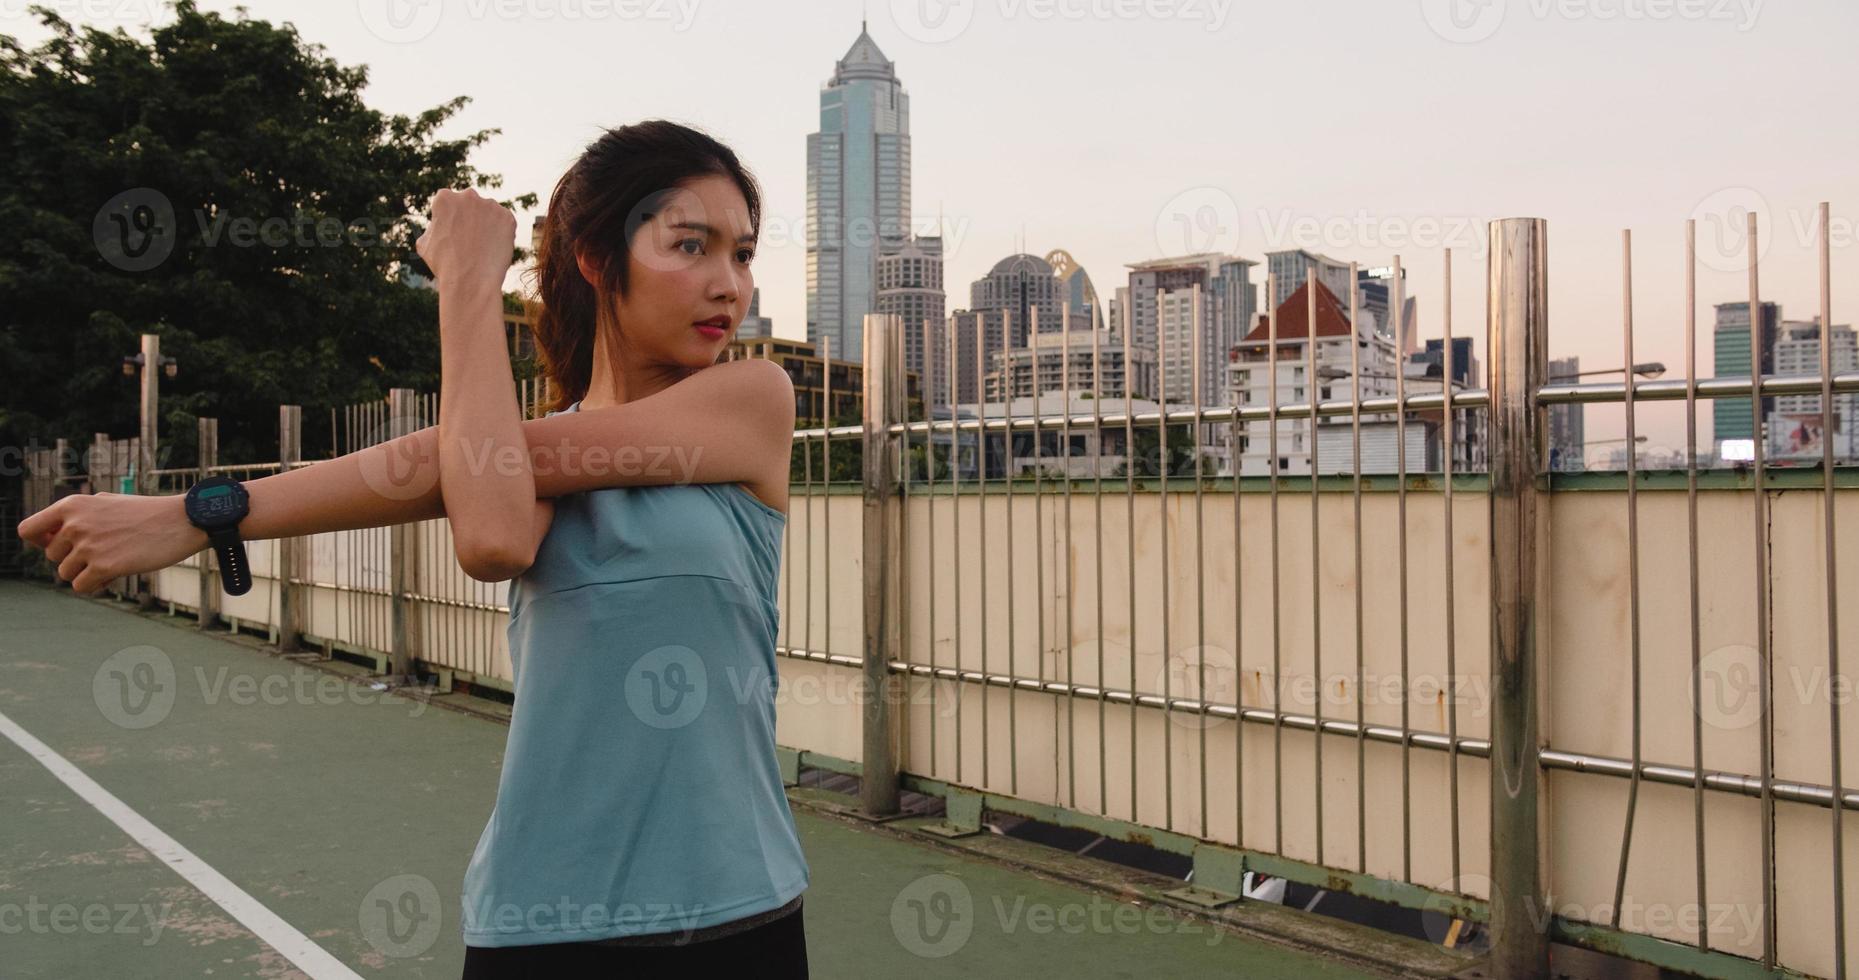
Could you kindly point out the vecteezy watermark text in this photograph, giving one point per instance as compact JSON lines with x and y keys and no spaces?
{"x":138,"y":229}
{"x":136,"y":688}
{"x":408,"y":21}
{"x":1471,"y":21}
{"x":96,"y":918}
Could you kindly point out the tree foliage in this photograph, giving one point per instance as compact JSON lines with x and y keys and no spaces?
{"x":279,"y":210}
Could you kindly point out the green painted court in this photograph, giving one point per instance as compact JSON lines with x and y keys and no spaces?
{"x":180,"y":803}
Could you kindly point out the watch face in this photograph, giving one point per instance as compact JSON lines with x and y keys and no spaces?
{"x":216,"y":504}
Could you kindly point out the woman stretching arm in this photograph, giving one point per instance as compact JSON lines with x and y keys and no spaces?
{"x":720,"y":425}
{"x":468,"y":248}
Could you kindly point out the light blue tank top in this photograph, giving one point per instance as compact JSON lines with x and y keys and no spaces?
{"x":640,"y":790}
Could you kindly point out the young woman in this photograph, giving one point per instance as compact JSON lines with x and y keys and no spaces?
{"x":640,"y":820}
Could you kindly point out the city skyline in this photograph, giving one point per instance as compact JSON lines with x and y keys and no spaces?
{"x":1070,"y":168}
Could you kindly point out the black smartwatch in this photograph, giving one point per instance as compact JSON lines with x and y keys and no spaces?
{"x":216,"y":505}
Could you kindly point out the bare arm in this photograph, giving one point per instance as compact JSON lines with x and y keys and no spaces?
{"x":733,"y":422}
{"x":479,"y":417}
{"x":468,"y":247}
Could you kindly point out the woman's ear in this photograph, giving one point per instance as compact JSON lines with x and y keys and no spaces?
{"x":589,"y":270}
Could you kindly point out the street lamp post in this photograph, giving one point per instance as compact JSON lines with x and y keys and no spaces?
{"x":1645,"y":369}
{"x":1330,"y":372}
{"x":1637,"y":442}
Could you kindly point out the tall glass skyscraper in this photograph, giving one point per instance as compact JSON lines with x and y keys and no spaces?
{"x":858,"y":193}
{"x":1735,"y":418}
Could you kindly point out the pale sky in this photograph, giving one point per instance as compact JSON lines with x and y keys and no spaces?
{"x":1359,"y":129}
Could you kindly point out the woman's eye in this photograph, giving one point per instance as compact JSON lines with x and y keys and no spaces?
{"x":745,"y":256}
{"x":692,"y":241}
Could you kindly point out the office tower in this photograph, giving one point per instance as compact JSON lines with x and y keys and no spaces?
{"x":754,"y":324}
{"x":1796,"y":432}
{"x":1375,"y":289}
{"x":1290,"y":267}
{"x":858,"y":193}
{"x":1020,"y":284}
{"x":1012,"y":371}
{"x":1227,"y":303}
{"x":1568,"y":440}
{"x":1431,"y":361}
{"x":1004,"y":301}
{"x":910,"y":285}
{"x":1732,"y":418}
{"x":994,"y":329}
{"x":1075,"y":288}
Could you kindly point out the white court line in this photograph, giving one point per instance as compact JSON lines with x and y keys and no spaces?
{"x":295,"y":946}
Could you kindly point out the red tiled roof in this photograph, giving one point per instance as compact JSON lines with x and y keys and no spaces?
{"x":1293,"y":317}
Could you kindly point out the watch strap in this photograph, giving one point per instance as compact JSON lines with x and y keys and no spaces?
{"x":235,"y":572}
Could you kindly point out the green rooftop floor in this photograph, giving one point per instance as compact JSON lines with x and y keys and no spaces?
{"x":319,"y":798}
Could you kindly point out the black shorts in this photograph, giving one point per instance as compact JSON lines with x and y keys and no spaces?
{"x":778,"y":948}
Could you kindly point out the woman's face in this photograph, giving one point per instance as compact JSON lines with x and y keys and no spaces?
{"x":687,"y":265}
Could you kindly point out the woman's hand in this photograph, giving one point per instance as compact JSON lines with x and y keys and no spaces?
{"x":471,"y":238}
{"x":97,"y":538}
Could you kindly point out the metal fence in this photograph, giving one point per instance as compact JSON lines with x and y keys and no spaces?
{"x":1482,"y":693}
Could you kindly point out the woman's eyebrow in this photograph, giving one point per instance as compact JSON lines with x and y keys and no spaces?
{"x":706,"y":229}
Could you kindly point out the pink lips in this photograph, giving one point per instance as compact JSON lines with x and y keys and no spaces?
{"x":709,"y":329}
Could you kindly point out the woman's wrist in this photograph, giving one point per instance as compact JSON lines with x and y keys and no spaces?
{"x":184,"y":527}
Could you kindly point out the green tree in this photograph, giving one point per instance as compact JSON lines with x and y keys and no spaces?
{"x":223,"y":184}
{"x":847,"y":456}
{"x":1180,"y":453}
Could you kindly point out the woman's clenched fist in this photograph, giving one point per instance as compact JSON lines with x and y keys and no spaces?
{"x":471,"y":238}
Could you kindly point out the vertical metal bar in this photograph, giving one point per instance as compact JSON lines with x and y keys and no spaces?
{"x":929,"y":459}
{"x":1039,"y":467}
{"x":1239,"y":619}
{"x":1763,"y":652}
{"x":1355,"y":492}
{"x":930,"y":506}
{"x":1691,"y":562}
{"x":1013,"y":650}
{"x":1097,"y":554}
{"x":1517,"y":309}
{"x":878,"y":788}
{"x":289,"y":550}
{"x":901,"y":409}
{"x":826,"y":487}
{"x":981,"y":533}
{"x":1313,"y":389}
{"x":1065,"y":457}
{"x":1168,"y":707}
{"x":1449,"y":445}
{"x":1633,"y":564}
{"x":1271,"y":414}
{"x":806,"y":462}
{"x":899,"y":389}
{"x":1200,"y":552}
{"x":955,"y":590}
{"x":351,"y":415}
{"x":1129,"y":521}
{"x":1400,"y":505}
{"x":787,"y":553}
{"x":1833,"y":607}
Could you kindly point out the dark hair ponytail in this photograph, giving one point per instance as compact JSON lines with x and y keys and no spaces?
{"x":594,"y":210}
